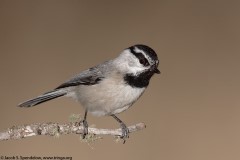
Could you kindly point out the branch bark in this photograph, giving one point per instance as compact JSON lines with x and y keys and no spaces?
{"x":55,"y":129}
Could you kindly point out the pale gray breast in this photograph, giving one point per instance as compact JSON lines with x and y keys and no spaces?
{"x":110,"y":96}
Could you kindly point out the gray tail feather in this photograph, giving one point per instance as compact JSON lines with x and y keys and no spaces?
{"x":43,"y":98}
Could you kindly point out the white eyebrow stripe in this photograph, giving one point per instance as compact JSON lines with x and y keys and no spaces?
{"x":150,"y":60}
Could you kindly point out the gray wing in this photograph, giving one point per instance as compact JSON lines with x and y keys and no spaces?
{"x":88,"y":77}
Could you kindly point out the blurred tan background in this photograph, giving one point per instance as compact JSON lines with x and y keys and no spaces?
{"x":192,"y":110}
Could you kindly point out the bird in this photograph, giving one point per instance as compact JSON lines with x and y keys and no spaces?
{"x":108,"y":88}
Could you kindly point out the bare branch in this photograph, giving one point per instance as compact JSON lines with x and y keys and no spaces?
{"x":55,"y":129}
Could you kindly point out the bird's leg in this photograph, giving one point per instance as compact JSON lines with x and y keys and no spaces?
{"x":125,"y":131}
{"x":85,"y":125}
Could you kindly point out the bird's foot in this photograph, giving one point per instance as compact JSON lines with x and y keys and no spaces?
{"x":85,"y":128}
{"x":125,"y":132}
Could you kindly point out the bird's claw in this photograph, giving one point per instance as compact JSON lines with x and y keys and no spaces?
{"x":85,"y":128}
{"x":125,"y":132}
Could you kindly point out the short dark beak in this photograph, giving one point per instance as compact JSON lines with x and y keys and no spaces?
{"x":157,"y":71}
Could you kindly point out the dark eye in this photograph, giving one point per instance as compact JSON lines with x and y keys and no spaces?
{"x":144,"y":61}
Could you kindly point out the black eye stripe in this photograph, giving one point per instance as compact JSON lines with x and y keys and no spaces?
{"x":140,"y":57}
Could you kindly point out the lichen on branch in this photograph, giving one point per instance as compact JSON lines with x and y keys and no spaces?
{"x":55,"y":129}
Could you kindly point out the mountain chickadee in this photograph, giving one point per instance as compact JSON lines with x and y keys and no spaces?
{"x":108,"y":88}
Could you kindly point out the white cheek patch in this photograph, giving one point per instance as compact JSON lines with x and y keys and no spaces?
{"x":133,"y":66}
{"x":128,"y":63}
{"x":136,"y":70}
